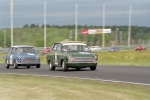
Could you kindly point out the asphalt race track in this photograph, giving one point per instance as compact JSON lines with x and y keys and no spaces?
{"x":125,"y":74}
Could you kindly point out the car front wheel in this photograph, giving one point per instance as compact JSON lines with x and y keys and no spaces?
{"x":15,"y":65}
{"x":64,"y":67}
{"x":38,"y":66}
{"x":93,"y":68}
{"x":51,"y":67}
{"x":6,"y":64}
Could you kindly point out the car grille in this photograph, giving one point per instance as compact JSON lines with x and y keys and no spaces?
{"x":29,"y":61}
{"x":87,"y":60}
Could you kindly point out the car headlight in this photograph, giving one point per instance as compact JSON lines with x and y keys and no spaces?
{"x":69,"y":57}
{"x":96,"y":57}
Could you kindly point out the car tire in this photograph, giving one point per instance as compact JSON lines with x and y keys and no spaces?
{"x":51,"y":67}
{"x":28,"y":66}
{"x":64,"y":67}
{"x":93,"y":68}
{"x":78,"y":68}
{"x":38,"y":66}
{"x":15,"y":65}
{"x":6,"y":64}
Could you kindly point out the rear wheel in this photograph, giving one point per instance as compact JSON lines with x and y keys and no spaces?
{"x":38,"y":66}
{"x":64,"y":67}
{"x":51,"y":67}
{"x":15,"y":65}
{"x":6,"y":64}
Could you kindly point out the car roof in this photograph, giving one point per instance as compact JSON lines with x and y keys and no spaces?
{"x":21,"y":46}
{"x":64,"y":42}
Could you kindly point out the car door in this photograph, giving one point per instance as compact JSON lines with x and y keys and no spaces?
{"x":8,"y":55}
{"x":12,"y":54}
{"x":56,"y":53}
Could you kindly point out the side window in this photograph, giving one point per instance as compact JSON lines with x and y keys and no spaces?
{"x":59,"y":47}
{"x":17,"y":51}
{"x":54,"y":47}
{"x":13,"y":51}
{"x":9,"y":51}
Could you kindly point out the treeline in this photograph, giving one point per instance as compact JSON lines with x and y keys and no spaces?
{"x":34,"y":35}
{"x":121,"y":28}
{"x":58,"y":26}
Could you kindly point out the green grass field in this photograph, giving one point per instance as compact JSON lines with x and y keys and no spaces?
{"x":125,"y":58}
{"x":28,"y":87}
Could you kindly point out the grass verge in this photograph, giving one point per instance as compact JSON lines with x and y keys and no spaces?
{"x":27,"y":87}
{"x":124,"y":58}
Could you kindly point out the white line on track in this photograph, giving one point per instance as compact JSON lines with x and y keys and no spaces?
{"x":85,"y":79}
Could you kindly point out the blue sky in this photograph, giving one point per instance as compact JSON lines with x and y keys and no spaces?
{"x":62,"y":12}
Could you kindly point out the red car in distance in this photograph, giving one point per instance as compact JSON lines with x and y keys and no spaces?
{"x":47,"y":50}
{"x":140,"y":48}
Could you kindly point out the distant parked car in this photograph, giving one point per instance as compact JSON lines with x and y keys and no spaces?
{"x":22,"y":55}
{"x":95,"y":48}
{"x":114,"y":49}
{"x":140,"y":48}
{"x":45,"y":51}
{"x":71,"y":54}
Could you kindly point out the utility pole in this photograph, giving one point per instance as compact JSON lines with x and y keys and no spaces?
{"x":117,"y":29}
{"x":76,"y":14}
{"x":45,"y":24}
{"x":103,"y":35}
{"x":129,"y":29}
{"x":11,"y":18}
{"x":120,"y":37}
{"x":70,"y":37}
{"x":4,"y":38}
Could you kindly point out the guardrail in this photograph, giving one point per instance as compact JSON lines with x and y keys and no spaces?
{"x":38,"y":49}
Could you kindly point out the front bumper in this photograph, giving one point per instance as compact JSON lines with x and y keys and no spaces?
{"x":81,"y":64}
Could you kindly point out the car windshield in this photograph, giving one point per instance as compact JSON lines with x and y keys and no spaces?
{"x":25,"y":50}
{"x":75,"y":47}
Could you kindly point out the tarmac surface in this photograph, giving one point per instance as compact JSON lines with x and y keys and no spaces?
{"x":123,"y":74}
